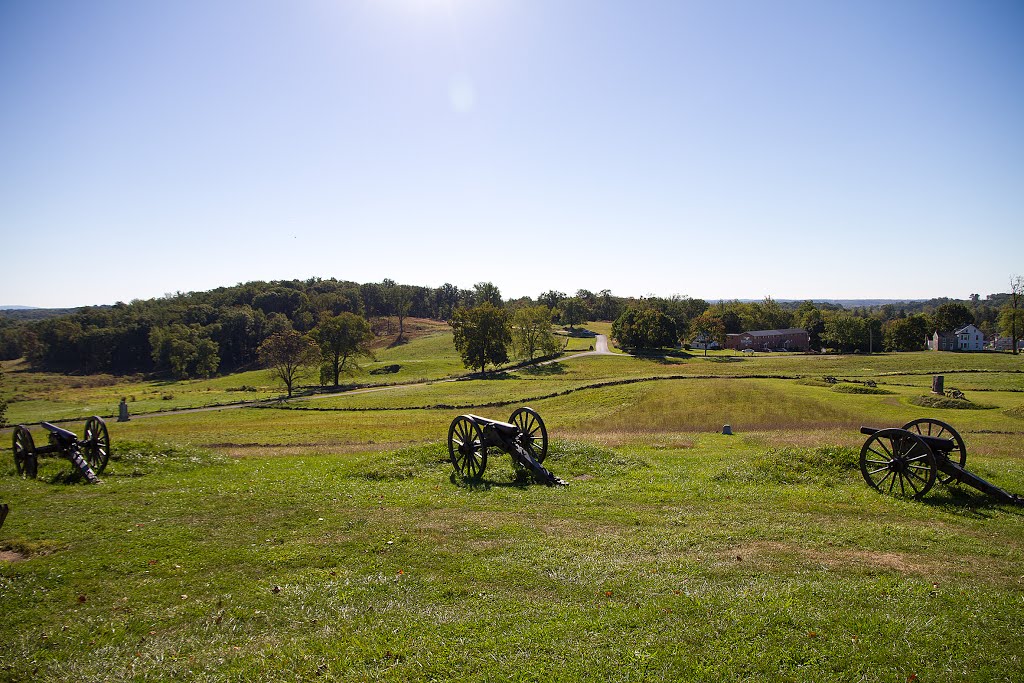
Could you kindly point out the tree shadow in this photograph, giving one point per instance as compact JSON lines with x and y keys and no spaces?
{"x":399,"y":341}
{"x":331,"y":389}
{"x":663,"y":357}
{"x":544,"y":370}
{"x":497,"y":375}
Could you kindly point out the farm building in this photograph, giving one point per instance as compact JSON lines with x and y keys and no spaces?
{"x":968,"y":338}
{"x":1004,"y":344}
{"x":792,"y":339}
{"x":942,"y":341}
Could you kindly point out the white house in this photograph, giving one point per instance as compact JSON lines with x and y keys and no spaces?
{"x":970,"y":338}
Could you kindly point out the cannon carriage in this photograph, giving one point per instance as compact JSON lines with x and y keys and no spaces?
{"x":524,"y":437}
{"x":907,"y":461}
{"x":89,"y":454}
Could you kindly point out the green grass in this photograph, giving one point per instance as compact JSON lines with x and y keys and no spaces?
{"x":431,"y":357}
{"x":267,"y":543}
{"x":724,"y":560}
{"x":425,"y":358}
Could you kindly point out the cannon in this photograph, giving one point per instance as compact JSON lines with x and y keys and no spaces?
{"x":907,"y":461}
{"x":524,"y":437}
{"x":89,"y":454}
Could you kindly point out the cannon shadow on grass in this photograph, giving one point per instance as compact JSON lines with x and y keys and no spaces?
{"x":66,"y":478}
{"x":972,"y":504}
{"x":523,"y":480}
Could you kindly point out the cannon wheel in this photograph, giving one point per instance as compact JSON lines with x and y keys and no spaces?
{"x":96,"y":444}
{"x":466,"y":447}
{"x":532,"y":427}
{"x":927,"y":426}
{"x":25,"y":460}
{"x":898,"y":462}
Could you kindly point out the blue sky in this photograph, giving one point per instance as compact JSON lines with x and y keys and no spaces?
{"x":712,"y":149}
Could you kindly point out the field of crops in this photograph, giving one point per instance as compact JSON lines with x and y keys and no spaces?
{"x":328,"y":537}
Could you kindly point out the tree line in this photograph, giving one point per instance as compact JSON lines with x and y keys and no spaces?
{"x":199,"y":334}
{"x":886,"y":327}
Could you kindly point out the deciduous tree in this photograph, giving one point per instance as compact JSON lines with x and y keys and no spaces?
{"x":185,"y":350}
{"x":706,"y":328}
{"x":551,"y":298}
{"x":905,"y":334}
{"x":1011,"y":317}
{"x":644,"y":328}
{"x":574,"y":312}
{"x":482,"y":335}
{"x":341,"y":338}
{"x":286,"y":354}
{"x":951,"y":317}
{"x":399,"y":300}
{"x":845,"y":332}
{"x":487,"y":293}
{"x":531,"y":332}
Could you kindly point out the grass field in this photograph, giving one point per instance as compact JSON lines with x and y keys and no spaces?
{"x":328,"y":538}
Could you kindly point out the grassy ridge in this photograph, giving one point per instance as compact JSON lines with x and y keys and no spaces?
{"x":431,"y":357}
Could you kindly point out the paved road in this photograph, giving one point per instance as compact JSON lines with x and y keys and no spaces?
{"x":600,"y":349}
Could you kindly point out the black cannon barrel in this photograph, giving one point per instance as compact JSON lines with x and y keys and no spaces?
{"x":62,"y":433}
{"x":936,"y":443}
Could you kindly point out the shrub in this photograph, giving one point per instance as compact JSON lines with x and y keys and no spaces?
{"x":857,"y":389}
{"x":948,"y":403}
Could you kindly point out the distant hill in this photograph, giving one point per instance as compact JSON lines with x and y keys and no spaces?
{"x":845,"y":303}
{"x":30,"y":313}
{"x":861,"y":303}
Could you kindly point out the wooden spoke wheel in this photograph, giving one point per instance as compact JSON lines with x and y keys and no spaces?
{"x":96,"y":444}
{"x":25,"y":460}
{"x":535,"y":434}
{"x":927,"y":426}
{"x":466,"y":447}
{"x":898,"y":462}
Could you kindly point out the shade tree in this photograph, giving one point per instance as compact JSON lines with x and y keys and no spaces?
{"x":286,"y":354}
{"x":950,"y":317}
{"x":342,"y":339}
{"x":707,"y":328}
{"x":482,"y":335}
{"x":644,"y":328}
{"x":531,"y":332}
